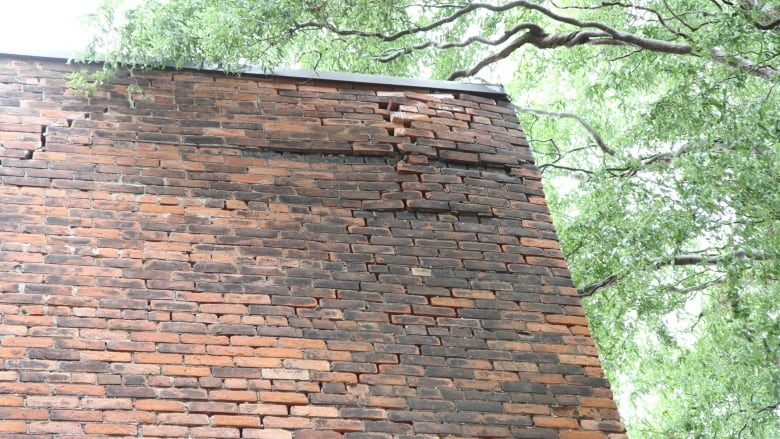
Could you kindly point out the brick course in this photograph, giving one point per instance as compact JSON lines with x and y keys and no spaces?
{"x":266,"y":257}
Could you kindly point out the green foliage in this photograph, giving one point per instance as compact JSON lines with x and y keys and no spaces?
{"x":683,"y":207}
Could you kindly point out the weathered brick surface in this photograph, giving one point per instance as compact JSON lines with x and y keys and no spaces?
{"x":276,"y":258}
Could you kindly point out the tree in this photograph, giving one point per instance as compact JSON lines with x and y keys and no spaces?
{"x":656,"y":124}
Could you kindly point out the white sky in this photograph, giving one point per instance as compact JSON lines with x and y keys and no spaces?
{"x":44,"y":26}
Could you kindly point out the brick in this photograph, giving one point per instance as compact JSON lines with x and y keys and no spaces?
{"x":262,"y":257}
{"x":235,"y":421}
{"x":582,"y":435}
{"x":164,"y":431}
{"x":266,"y":433}
{"x":215,"y":432}
{"x":183,"y":419}
{"x":233,"y":395}
{"x":283,"y":398}
{"x":317,"y":434}
{"x":24,"y":413}
{"x":13,"y":427}
{"x":111,"y":429}
{"x":291,"y":422}
{"x":546,"y":421}
{"x":60,"y":428}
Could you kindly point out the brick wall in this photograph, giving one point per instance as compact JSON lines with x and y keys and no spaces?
{"x":250,"y":257}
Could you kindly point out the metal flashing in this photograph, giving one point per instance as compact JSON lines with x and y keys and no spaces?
{"x":495,"y":90}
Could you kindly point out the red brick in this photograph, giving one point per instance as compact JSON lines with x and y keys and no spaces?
{"x":111,"y":429}
{"x":59,"y":428}
{"x":215,"y":433}
{"x":292,"y":422}
{"x":133,"y":417}
{"x":314,"y":411}
{"x":183,"y":419}
{"x":283,"y":398}
{"x":11,"y":401}
{"x":582,"y":435}
{"x":235,"y":258}
{"x":597,"y":402}
{"x":13,"y":427}
{"x":235,"y":421}
{"x":267,"y":433}
{"x":233,"y":395}
{"x":30,"y":342}
{"x":547,"y":421}
{"x":164,"y":431}
{"x":106,"y":403}
{"x":23,"y":413}
{"x":316,"y":434}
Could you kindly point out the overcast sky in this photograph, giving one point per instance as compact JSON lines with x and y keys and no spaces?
{"x":50,"y":27}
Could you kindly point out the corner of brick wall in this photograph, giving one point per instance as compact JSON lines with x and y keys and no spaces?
{"x":251,"y":257}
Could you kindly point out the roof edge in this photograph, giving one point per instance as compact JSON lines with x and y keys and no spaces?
{"x":356,"y":78}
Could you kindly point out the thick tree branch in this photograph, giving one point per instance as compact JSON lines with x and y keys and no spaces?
{"x":769,"y":26}
{"x":565,"y":168}
{"x":623,"y":37}
{"x":744,"y":64}
{"x":628,"y":6}
{"x":470,"y":7}
{"x":596,"y":33}
{"x":644,"y":163}
{"x":683,"y":260}
{"x":542,"y":41}
{"x":588,"y":127}
{"x":667,"y":157}
{"x":699,"y":287}
{"x":468,"y":41}
{"x":709,"y":259}
{"x":590,"y":289}
{"x":773,"y":14}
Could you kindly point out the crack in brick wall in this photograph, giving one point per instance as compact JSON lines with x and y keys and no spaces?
{"x":268,"y":258}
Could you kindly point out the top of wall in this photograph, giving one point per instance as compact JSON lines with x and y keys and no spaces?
{"x":492,"y":90}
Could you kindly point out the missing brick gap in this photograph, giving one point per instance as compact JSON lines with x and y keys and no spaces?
{"x":43,"y":134}
{"x":389,"y":105}
{"x":70,"y":123}
{"x":87,"y":116}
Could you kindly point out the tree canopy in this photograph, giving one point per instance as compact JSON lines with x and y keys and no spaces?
{"x":656,"y":124}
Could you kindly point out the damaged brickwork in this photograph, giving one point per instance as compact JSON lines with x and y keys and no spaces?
{"x":271,"y":257}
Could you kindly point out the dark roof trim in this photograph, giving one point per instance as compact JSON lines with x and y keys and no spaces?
{"x":355,"y":78}
{"x":482,"y":89}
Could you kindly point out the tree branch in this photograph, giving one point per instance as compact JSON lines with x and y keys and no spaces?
{"x":624,"y":37}
{"x":637,"y":7}
{"x":773,"y":14}
{"x":470,"y":7}
{"x":769,"y":26}
{"x":468,"y":41}
{"x":600,"y":33}
{"x":588,"y":127}
{"x":565,"y":168}
{"x":542,"y":41}
{"x":590,"y":289}
{"x":699,"y":287}
{"x":744,"y":64}
{"x":697,"y":259}
{"x":667,"y":157}
{"x":682,"y":260}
